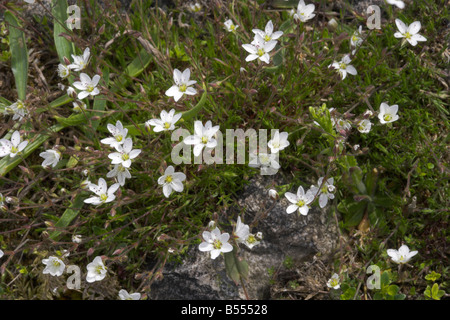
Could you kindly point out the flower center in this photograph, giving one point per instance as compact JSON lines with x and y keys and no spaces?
{"x":56,"y":263}
{"x":119,"y":138}
{"x":217,"y":244}
{"x":90,"y":88}
{"x":166,"y":125}
{"x":334,"y":282}
{"x":20,"y":105}
{"x":103,"y":197}
{"x":232,"y":27}
{"x":183,"y":88}
{"x":260,"y":52}
{"x":300,"y":203}
{"x":125,"y":157}
{"x":204,"y":140}
{"x":251,"y":239}
{"x":14,"y":149}
{"x":407,"y":35}
{"x":387,"y":117}
{"x":324,"y":189}
{"x":267,"y":38}
{"x":99,"y":269}
{"x":343,"y":66}
{"x":169,"y":179}
{"x":276,"y":144}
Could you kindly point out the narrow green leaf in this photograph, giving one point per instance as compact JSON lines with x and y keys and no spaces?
{"x":138,"y":65}
{"x":63,"y":46}
{"x":68,"y":215}
{"x":193,"y":112}
{"x":19,"y":55}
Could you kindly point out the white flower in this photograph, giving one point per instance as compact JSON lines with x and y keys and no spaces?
{"x":18,"y":109}
{"x":279,"y":142}
{"x":259,"y":49}
{"x":124,"y":295}
{"x":104,"y":193}
{"x":51,"y":157}
{"x":364,"y":126}
{"x":87,"y":86}
{"x":304,"y":12}
{"x":342,"y":124}
{"x":80,"y":62}
{"x":125,"y":153}
{"x":171,"y":180}
{"x":333,"y":282}
{"x":120,"y":172}
{"x":230,"y":26}
{"x":410,"y":33}
{"x":299,"y":201}
{"x":71,"y":92}
{"x":268,"y":33}
{"x":1,"y":253}
{"x":398,"y":3}
{"x":215,"y":242}
{"x":242,"y":231}
{"x":54,"y":266}
{"x":266,"y":161}
{"x":388,"y":113}
{"x":356,"y":38}
{"x":76,"y":238}
{"x":167,"y":121}
{"x":119,"y":135}
{"x":195,"y":7}
{"x":402,"y":255}
{"x":325,"y":190}
{"x":344,"y":67}
{"x":30,"y":1}
{"x":63,"y":71}
{"x":182,"y":84}
{"x":202,"y":137}
{"x":96,"y":270}
{"x":12,"y":147}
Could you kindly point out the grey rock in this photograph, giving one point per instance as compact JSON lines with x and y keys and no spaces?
{"x":294,"y":236}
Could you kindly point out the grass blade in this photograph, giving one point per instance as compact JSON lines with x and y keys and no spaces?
{"x":19,"y":55}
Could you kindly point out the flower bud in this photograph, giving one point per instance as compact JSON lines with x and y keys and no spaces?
{"x":273,"y":194}
{"x":333,"y":24}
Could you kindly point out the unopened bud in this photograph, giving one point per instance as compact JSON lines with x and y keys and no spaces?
{"x":333,"y":24}
{"x":273,"y":194}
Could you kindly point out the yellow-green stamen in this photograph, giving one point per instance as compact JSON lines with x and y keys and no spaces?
{"x":169,"y":179}
{"x":183,"y":88}
{"x":387,"y":117}
{"x":217,"y":244}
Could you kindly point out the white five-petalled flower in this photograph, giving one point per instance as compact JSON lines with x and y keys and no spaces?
{"x":125,"y":153}
{"x":279,"y":142}
{"x":87,"y":86}
{"x":324,"y":190}
{"x":402,"y":255}
{"x":215,"y":242}
{"x":268,"y":33}
{"x":230,"y":26}
{"x":13,"y":147}
{"x":388,"y":113}
{"x":51,"y":157}
{"x":167,"y":121}
{"x":124,"y":295}
{"x":242,"y":232}
{"x":202,"y":137}
{"x":304,"y":12}
{"x":119,"y":172}
{"x":171,"y":180}
{"x":182,"y":84}
{"x":344,"y":67}
{"x":410,"y":33}
{"x":54,"y":266}
{"x":259,"y":49}
{"x":104,"y":194}
{"x":18,"y":109}
{"x":96,"y":270}
{"x":364,"y":126}
{"x":299,"y":201}
{"x":80,"y":62}
{"x":63,"y":71}
{"x":119,"y":134}
{"x":333,"y":282}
